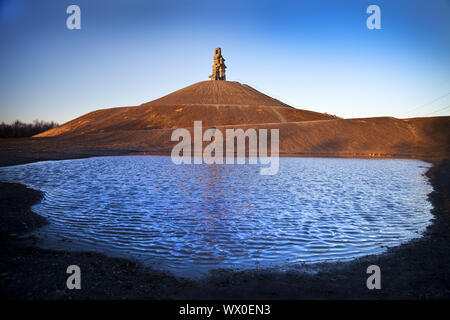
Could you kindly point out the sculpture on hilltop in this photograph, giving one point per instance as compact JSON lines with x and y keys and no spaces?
{"x":218,"y":69}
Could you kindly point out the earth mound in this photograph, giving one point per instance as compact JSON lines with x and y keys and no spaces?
{"x":216,"y":103}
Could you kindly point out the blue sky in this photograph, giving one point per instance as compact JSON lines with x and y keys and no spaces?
{"x":317,"y":55}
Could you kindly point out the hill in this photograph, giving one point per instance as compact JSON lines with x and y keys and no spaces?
{"x":213,"y":102}
{"x":146,"y":129}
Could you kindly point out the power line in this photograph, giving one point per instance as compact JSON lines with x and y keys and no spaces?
{"x":438,"y":110}
{"x":426,"y":104}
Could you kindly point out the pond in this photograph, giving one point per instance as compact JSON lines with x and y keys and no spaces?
{"x":189,"y":219}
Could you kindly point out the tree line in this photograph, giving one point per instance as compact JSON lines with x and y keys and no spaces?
{"x":19,"y":129}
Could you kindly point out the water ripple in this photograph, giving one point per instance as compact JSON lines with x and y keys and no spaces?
{"x":190,"y":219}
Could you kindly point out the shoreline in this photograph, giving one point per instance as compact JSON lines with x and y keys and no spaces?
{"x":417,"y":269}
{"x":13,"y":161}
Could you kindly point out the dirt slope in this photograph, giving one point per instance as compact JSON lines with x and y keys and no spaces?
{"x":217,"y":92}
{"x":147,"y":128}
{"x":213,"y":102}
{"x":426,"y":138}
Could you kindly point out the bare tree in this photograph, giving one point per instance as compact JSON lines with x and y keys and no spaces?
{"x":18,"y":129}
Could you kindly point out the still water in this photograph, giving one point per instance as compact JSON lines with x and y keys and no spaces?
{"x":189,"y":219}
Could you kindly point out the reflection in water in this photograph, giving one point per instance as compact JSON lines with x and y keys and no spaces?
{"x":193,"y":218}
